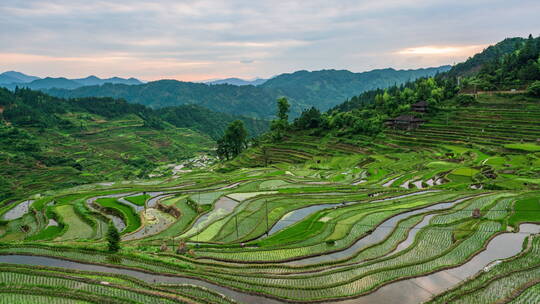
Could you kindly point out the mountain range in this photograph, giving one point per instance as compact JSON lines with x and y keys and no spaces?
{"x":238,"y":81}
{"x":12,"y":79}
{"x":322,"y":89}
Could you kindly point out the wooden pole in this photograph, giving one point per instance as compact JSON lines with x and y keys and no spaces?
{"x":236,"y":224}
{"x":266,"y":207}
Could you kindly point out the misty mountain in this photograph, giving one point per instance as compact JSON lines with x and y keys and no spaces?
{"x":238,"y":81}
{"x":93,"y":80}
{"x":14,"y":79}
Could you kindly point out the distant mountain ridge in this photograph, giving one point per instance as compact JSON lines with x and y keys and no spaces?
{"x":322,"y":89}
{"x":327,"y":88}
{"x":12,"y":79}
{"x":238,"y":81}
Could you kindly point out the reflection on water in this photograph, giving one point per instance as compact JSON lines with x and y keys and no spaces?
{"x":421,"y":289}
{"x":17,"y":211}
{"x":297,"y":215}
{"x":149,"y":278}
{"x":379,"y":234}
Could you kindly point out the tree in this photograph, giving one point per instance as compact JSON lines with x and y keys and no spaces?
{"x":309,"y":119}
{"x":113,"y":238}
{"x":233,"y":142}
{"x":283,"y":108}
{"x":534,"y":89}
{"x":280,"y":125}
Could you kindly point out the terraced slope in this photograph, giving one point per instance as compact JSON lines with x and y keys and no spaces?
{"x":448,"y":221}
{"x":491,"y":121}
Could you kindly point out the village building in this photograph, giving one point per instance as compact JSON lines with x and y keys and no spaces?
{"x":420,"y":107}
{"x":404,"y":122}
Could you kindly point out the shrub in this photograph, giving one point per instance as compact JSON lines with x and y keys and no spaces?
{"x":465,"y":100}
{"x":534,"y":89}
{"x":113,"y":238}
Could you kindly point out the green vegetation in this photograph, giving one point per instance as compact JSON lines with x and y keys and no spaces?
{"x":131,"y":219}
{"x":113,"y":238}
{"x":513,"y":70}
{"x":322,"y":89}
{"x":48,"y":142}
{"x":233,"y":142}
{"x":138,"y":200}
{"x":530,"y":147}
{"x":534,"y":89}
{"x":525,"y":210}
{"x":329,"y":206}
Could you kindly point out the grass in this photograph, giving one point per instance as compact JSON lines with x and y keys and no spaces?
{"x":526,"y":210}
{"x":528,"y":147}
{"x":465,"y":171}
{"x":187,"y":216}
{"x":76,"y":227}
{"x":138,"y":200}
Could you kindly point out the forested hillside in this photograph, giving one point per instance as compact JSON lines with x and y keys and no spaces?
{"x":493,"y":52}
{"x":513,"y":63}
{"x":325,"y":89}
{"x":209,"y":122}
{"x":45,"y":140}
{"x":321,"y":89}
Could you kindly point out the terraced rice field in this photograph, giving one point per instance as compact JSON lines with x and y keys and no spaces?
{"x":440,"y":216}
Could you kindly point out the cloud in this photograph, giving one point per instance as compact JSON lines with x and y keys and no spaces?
{"x":442,"y":50}
{"x":206,"y":38}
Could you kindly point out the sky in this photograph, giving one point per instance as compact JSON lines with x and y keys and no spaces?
{"x":201,"y":40}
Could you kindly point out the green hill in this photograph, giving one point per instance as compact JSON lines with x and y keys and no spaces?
{"x":49,"y":142}
{"x":325,"y":89}
{"x":322,"y":89}
{"x":473,"y":64}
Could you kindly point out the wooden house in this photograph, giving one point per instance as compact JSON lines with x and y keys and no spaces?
{"x":420,"y":107}
{"x":405,"y":122}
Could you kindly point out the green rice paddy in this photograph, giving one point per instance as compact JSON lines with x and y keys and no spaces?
{"x":327,"y":219}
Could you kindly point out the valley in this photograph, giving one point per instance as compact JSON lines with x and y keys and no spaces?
{"x":270,"y":234}
{"x":324,"y":186}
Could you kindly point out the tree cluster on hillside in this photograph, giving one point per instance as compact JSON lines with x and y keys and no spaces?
{"x":327,"y":88}
{"x":233,"y":142}
{"x":28,"y":108}
{"x":279,"y":126}
{"x":209,"y":122}
{"x":514,"y":70}
{"x":473,"y":64}
{"x":25,"y":107}
{"x":365,"y":114}
{"x":512,"y":62}
{"x":113,"y":238}
{"x":49,"y":142}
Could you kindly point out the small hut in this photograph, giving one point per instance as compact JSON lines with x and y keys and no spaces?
{"x":164,"y":247}
{"x":476,"y":213}
{"x":420,"y":107}
{"x":182,"y":248}
{"x":405,"y":122}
